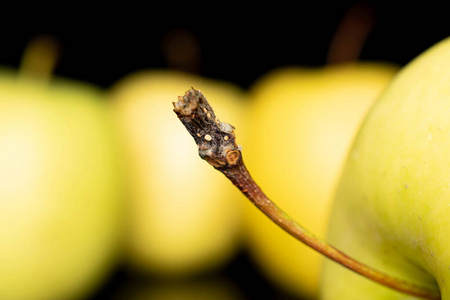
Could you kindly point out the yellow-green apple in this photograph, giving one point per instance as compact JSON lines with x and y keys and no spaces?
{"x":392,"y":204}
{"x":60,"y":188}
{"x":306,"y":120}
{"x":182,"y":218}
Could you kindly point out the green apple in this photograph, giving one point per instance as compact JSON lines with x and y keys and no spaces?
{"x":392,"y":205}
{"x":60,"y":188}
{"x":307,"y":119}
{"x":182,"y":219}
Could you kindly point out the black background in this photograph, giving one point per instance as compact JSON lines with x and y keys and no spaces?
{"x":238,"y":42}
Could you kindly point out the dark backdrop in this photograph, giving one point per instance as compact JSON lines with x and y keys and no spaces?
{"x":237,"y":42}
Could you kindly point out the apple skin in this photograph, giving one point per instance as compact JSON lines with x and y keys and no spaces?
{"x":183,"y":217}
{"x":306,"y":120}
{"x":60,"y":189}
{"x":392,"y":205}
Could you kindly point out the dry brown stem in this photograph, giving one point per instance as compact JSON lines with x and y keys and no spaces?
{"x":216,"y":142}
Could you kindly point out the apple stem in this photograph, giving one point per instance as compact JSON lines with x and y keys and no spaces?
{"x":217,"y":145}
{"x":40,"y":58}
{"x":351,"y":34}
{"x":181,"y":48}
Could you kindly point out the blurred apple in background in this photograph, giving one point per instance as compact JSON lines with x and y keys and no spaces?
{"x":60,"y":183}
{"x":183,"y":218}
{"x":305,"y":119}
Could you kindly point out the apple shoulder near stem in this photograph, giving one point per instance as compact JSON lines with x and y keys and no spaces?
{"x":183,"y":220}
{"x":60,"y":188}
{"x":306,"y":119}
{"x":392,"y":206}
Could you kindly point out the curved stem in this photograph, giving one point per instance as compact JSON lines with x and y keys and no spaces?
{"x":217,"y":145}
{"x":242,"y":179}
